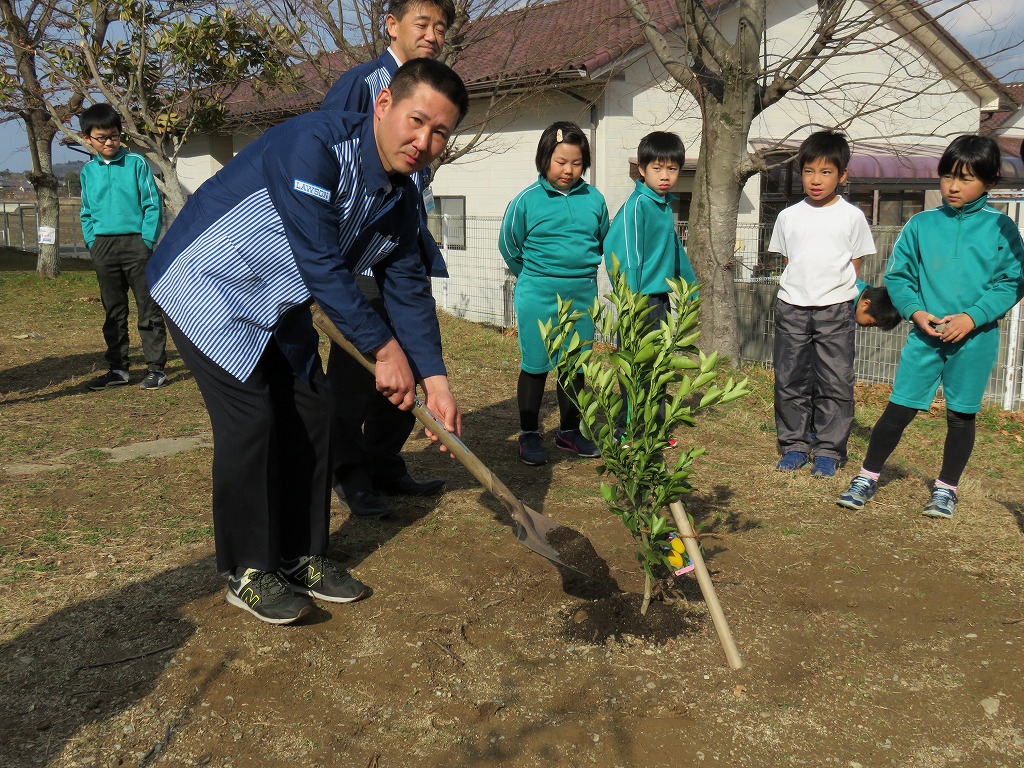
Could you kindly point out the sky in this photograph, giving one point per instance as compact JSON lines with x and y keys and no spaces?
{"x":983,"y":27}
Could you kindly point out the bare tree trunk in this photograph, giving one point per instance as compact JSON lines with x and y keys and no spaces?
{"x":47,"y":188}
{"x":711,"y":236}
{"x":169,"y":185}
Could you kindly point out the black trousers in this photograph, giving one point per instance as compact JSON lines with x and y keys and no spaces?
{"x":367,"y":431}
{"x":120,"y":264}
{"x":271,"y":458}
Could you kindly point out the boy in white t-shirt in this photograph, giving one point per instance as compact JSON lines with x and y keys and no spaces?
{"x":822,"y":240}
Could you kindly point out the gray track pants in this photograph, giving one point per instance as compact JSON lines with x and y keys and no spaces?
{"x":814,"y":348}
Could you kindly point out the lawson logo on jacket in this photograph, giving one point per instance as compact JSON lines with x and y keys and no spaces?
{"x":312,"y":190}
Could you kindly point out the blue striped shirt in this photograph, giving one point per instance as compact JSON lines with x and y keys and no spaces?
{"x":291,"y":219}
{"x":356,"y":91}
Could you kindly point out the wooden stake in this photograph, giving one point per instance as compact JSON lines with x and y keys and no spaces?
{"x":689,"y":537}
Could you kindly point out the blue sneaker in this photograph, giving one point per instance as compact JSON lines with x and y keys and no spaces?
{"x":531,"y":449}
{"x":573,"y":441}
{"x":791,"y":461}
{"x":824,"y":466}
{"x":861,"y":491}
{"x":942,"y":504}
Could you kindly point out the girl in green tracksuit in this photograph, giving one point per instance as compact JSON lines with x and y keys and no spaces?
{"x":551,"y":239}
{"x":955,"y":271}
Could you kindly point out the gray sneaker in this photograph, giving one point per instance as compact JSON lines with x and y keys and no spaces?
{"x":319,"y":576}
{"x":861,"y":491}
{"x":267,"y":596}
{"x":153,"y":380}
{"x":942,"y":503}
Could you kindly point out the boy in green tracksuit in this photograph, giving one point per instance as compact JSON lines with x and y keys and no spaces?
{"x":642,"y":236}
{"x":955,"y":271}
{"x":120,"y":223}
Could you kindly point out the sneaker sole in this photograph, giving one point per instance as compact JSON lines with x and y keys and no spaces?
{"x":569,"y":449}
{"x":114,"y":385}
{"x":239,"y":603}
{"x":938,"y":514}
{"x":850,"y":504}
{"x":329,"y":598}
{"x":529,"y":463}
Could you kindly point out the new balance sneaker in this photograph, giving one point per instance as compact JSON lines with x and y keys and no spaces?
{"x":153,"y":380}
{"x":267,"y":596}
{"x":861,"y":491}
{"x":942,"y":503}
{"x":112,"y":378}
{"x":824,"y":466}
{"x":791,"y":461}
{"x":531,"y":449}
{"x":319,"y":576}
{"x":573,"y":441}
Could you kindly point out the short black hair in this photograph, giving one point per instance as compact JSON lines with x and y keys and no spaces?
{"x":663,"y":146}
{"x":881,"y":307}
{"x":438,"y":76}
{"x":979,"y":154}
{"x":102,"y":116}
{"x":831,"y":146}
{"x":398,"y":8}
{"x":561,"y":133}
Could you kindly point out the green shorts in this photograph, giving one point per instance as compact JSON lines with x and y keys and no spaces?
{"x":962,"y":369}
{"x":536,"y":299}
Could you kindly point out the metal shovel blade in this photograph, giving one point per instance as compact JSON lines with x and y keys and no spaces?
{"x":532,"y":528}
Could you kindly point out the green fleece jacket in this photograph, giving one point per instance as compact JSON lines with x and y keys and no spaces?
{"x":644,"y":241}
{"x":119,"y":197}
{"x":948,"y":260}
{"x":550,"y":233}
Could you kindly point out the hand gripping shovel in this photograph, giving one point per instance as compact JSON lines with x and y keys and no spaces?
{"x":532,"y":528}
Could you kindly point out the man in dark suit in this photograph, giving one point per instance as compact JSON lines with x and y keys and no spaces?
{"x":368,"y":433}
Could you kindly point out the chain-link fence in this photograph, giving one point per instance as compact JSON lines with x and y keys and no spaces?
{"x":480,"y":289}
{"x":19,"y":228}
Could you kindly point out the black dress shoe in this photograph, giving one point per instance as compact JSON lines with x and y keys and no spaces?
{"x":407,"y":485}
{"x":366,"y":504}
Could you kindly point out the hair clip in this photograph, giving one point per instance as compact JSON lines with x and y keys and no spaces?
{"x":558,"y":136}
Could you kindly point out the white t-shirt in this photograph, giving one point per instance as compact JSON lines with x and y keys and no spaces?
{"x":820,"y":244}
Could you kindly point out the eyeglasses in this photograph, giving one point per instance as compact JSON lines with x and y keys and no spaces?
{"x":116,"y":139}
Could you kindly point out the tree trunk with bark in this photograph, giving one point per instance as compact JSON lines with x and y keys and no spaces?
{"x":47,"y":188}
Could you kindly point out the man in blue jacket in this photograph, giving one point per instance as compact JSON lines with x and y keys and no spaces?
{"x":368,"y":432}
{"x":290,"y":220}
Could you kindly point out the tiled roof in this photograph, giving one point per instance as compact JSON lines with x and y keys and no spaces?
{"x":1015,"y":92}
{"x":560,"y":39}
{"x":560,"y":36}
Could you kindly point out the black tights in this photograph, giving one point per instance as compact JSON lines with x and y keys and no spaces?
{"x":960,"y":432}
{"x":531,"y":392}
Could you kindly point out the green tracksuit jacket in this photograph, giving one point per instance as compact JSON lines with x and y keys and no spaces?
{"x":643,"y":239}
{"x":552,"y":242}
{"x":119,"y":197}
{"x":947,"y":261}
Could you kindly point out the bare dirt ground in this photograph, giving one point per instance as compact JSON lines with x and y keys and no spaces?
{"x":879,"y":638}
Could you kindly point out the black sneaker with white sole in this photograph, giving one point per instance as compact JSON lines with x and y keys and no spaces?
{"x":108,"y":380}
{"x":267,"y":596}
{"x":319,"y":576}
